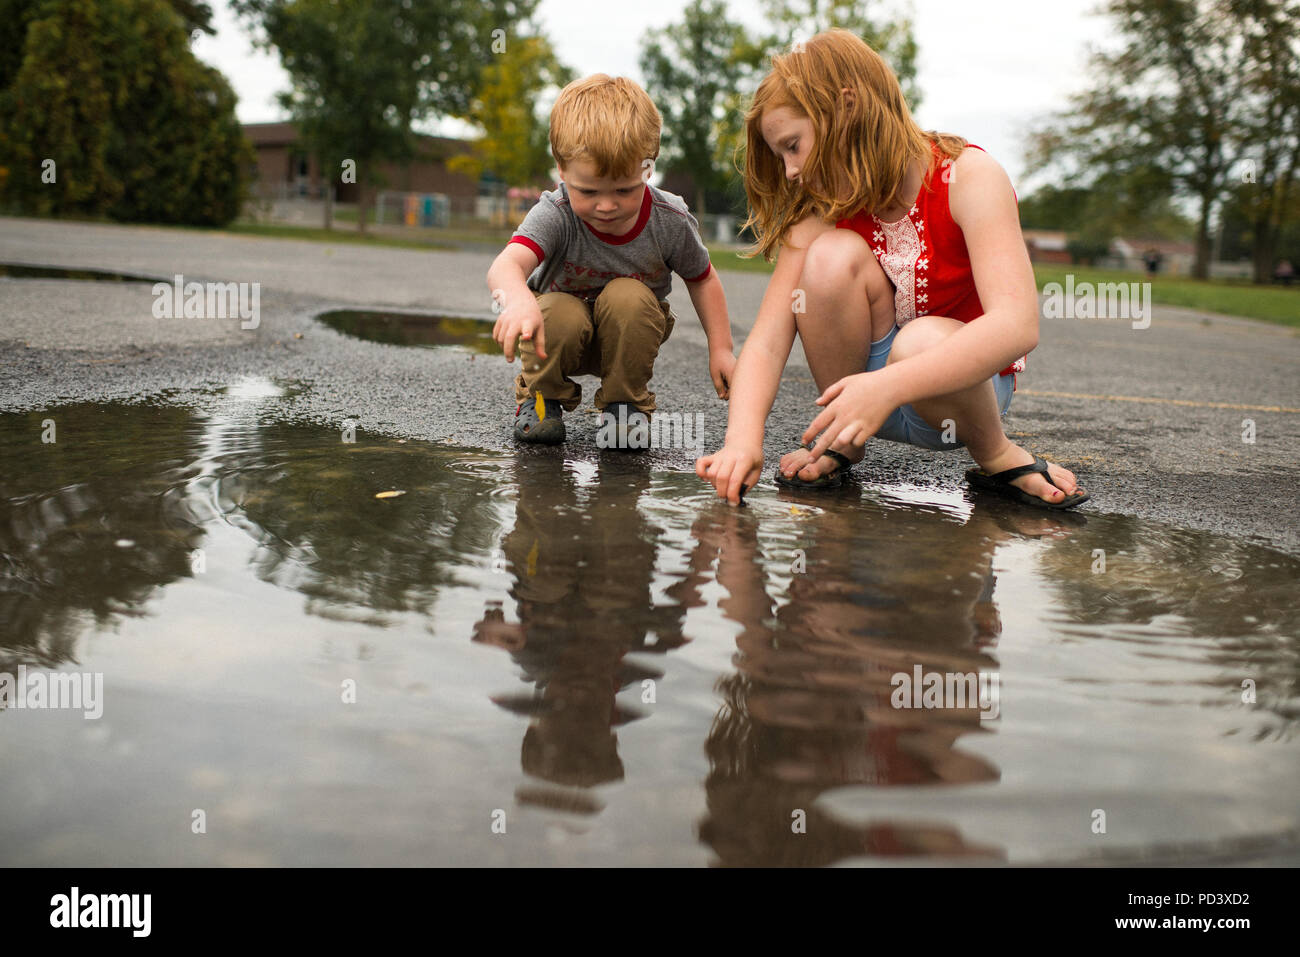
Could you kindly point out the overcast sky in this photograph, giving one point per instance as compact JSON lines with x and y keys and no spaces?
{"x":986,"y":71}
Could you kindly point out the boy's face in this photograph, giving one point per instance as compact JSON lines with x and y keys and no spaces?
{"x":609,"y":204}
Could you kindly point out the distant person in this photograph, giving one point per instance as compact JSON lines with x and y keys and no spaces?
{"x":1284,"y":272}
{"x":585,"y":279}
{"x":1153,"y":259}
{"x":902,"y":270}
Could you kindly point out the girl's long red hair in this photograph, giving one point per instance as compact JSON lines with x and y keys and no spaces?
{"x":867,"y":140}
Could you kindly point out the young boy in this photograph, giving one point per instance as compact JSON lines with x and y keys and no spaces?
{"x":583,"y":283}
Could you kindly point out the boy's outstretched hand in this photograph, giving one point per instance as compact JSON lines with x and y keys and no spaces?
{"x":721,"y":365}
{"x":521,"y":321}
{"x":731,"y":469}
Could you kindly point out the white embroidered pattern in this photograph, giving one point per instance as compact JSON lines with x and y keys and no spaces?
{"x":900,"y":257}
{"x":905,"y":259}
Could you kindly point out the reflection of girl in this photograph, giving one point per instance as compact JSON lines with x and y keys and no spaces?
{"x":808,"y":707}
{"x":940,"y":330}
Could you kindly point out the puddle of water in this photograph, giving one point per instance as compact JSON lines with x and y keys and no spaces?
{"x":23,"y":271}
{"x":604,"y":657}
{"x":412,"y":329}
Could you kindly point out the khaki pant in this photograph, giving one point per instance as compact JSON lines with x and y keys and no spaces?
{"x":617,"y":338}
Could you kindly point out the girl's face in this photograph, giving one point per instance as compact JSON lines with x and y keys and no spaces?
{"x":789,"y":135}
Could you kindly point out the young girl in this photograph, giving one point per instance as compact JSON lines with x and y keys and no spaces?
{"x":892,"y":241}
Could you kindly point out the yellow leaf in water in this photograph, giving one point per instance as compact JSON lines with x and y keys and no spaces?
{"x":388,"y":494}
{"x":532,"y":559}
{"x":541,"y":407}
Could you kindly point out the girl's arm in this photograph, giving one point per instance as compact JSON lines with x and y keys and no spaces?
{"x":757,"y":375}
{"x":983,"y":204}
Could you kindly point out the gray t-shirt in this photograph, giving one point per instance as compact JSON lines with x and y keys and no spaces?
{"x":577,"y":260}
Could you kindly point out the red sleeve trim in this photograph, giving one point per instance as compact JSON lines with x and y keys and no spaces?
{"x":702,"y":276}
{"x":525,"y":241}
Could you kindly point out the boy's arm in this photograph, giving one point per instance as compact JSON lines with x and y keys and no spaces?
{"x":710,"y":304}
{"x":519,"y":315}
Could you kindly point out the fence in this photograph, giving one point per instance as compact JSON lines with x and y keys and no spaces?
{"x":412,"y":209}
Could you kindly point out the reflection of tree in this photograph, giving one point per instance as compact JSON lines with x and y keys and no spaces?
{"x":1205,"y":586}
{"x":582,"y":561}
{"x":81,"y":527}
{"x":1220,"y":586}
{"x":97,"y":521}
{"x":809,"y":706}
{"x":311,"y":500}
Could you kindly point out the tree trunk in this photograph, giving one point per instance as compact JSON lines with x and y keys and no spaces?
{"x":1263,"y":249}
{"x":329,"y":205}
{"x":699,"y":202}
{"x":361,"y":208}
{"x":1201,"y":264}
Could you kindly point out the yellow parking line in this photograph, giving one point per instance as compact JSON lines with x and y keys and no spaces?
{"x":1160,"y":401}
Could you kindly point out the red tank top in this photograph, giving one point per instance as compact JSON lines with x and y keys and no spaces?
{"x":924,"y":254}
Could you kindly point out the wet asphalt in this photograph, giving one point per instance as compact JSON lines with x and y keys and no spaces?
{"x":1153,"y":421}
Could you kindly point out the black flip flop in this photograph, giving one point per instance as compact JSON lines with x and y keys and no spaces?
{"x":832,"y":479}
{"x":999,"y":483}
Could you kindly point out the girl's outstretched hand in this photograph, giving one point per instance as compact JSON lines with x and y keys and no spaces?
{"x":855,"y":411}
{"x":729,"y":468}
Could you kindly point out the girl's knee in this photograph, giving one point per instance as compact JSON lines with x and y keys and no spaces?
{"x":836,"y":256}
{"x":919,"y":334}
{"x":839,"y":260}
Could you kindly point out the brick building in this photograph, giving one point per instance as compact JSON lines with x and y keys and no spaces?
{"x":285,"y":170}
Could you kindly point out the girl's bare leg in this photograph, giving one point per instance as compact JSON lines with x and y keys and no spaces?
{"x":847,"y":302}
{"x":974,"y":412}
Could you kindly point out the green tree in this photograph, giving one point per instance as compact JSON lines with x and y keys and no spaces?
{"x":363,"y":71}
{"x":702,"y":71}
{"x":1114,"y":205}
{"x":691,"y":70}
{"x":1054,"y":207}
{"x":794,"y":20}
{"x":196,"y":14}
{"x":514,"y":147}
{"x":1166,"y":109}
{"x":1270,"y":70}
{"x":109,"y":113}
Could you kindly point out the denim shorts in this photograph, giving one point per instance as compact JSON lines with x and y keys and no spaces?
{"x":905,"y":423}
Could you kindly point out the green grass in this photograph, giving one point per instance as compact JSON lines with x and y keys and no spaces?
{"x":1226,"y":296}
{"x":727,"y":258}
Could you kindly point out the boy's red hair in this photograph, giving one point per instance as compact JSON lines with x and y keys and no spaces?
{"x":609,"y":121}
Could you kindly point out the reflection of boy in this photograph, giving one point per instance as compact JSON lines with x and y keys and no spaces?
{"x":582,"y":571}
{"x":585,"y":279}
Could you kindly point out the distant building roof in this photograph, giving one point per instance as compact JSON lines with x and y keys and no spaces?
{"x":1044,"y":238}
{"x":270,"y":134}
{"x":286,"y":134}
{"x":1166,"y":247}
